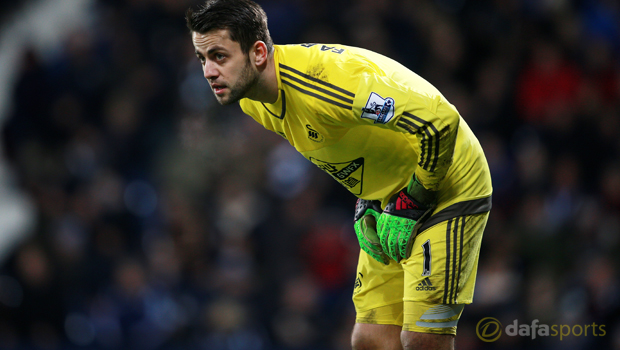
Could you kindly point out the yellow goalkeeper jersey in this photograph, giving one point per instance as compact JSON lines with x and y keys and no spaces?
{"x":371,"y":123}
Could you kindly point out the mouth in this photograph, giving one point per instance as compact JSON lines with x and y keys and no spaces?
{"x":218,"y":89}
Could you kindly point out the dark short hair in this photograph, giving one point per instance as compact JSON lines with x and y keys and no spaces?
{"x":245,"y":21}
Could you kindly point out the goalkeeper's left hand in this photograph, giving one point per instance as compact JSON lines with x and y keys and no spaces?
{"x":366,"y":215}
{"x":401,"y":218}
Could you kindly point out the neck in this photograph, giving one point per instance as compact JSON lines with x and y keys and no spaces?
{"x":266,"y":88}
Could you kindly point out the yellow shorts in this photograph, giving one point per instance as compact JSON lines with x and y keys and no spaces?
{"x":426,"y":292}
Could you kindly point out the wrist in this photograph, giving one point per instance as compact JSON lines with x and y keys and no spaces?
{"x":420,"y":193}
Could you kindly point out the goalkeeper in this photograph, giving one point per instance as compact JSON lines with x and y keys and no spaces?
{"x":390,"y":138}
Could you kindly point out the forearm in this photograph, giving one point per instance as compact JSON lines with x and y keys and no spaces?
{"x":436,"y":144}
{"x":417,"y":190}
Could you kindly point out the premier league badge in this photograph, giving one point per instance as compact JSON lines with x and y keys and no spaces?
{"x":379,"y":109}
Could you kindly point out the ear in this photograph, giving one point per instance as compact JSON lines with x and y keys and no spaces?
{"x":259,"y":53}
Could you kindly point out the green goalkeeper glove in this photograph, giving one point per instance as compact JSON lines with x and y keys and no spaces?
{"x":403,"y":215}
{"x":366,"y":215}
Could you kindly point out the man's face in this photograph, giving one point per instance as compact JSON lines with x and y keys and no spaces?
{"x":227,"y":69}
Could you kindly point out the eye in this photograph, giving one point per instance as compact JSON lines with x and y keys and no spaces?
{"x":219,"y":56}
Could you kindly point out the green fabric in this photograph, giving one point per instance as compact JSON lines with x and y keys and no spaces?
{"x":367,"y":236}
{"x":395,"y":232}
{"x":390,"y":237}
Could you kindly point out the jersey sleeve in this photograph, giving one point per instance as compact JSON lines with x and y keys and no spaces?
{"x":427,"y":119}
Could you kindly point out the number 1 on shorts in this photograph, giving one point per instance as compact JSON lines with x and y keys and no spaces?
{"x":426,"y":248}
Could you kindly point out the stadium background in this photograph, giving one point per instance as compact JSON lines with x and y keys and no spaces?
{"x":146,"y":216}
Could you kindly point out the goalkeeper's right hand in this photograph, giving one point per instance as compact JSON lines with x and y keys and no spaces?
{"x":366,"y":215}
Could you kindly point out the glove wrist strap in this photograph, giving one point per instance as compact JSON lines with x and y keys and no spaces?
{"x":420,"y":193}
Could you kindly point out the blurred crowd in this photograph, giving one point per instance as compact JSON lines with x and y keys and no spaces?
{"x":166,"y":221}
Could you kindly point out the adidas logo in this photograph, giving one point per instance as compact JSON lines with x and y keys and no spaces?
{"x":403,"y":202}
{"x":425,"y":285}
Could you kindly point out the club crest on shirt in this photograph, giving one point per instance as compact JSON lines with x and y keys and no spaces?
{"x":379,"y":109}
{"x":350,"y":174}
{"x":314,"y":135}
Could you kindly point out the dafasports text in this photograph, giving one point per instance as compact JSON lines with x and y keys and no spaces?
{"x":490,"y":329}
{"x":535,"y":329}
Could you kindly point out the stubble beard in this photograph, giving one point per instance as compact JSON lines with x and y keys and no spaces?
{"x":247,"y":80}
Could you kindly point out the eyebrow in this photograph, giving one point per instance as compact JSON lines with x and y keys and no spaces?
{"x":215,"y":48}
{"x":211,"y":50}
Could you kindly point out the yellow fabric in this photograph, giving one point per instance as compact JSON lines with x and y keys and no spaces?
{"x":371,"y":124}
{"x":325,"y":92}
{"x":377,"y":284}
{"x":452,"y":276}
{"x":450,"y":279}
{"x":387,"y":314}
{"x":428,"y":317}
{"x":411,"y":317}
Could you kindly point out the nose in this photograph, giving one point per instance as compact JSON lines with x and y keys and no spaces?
{"x":210,"y":71}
